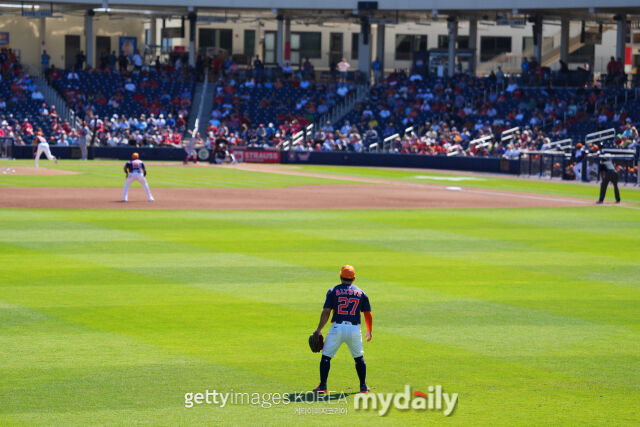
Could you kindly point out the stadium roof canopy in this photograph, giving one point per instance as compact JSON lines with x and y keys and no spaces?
{"x":310,"y":11}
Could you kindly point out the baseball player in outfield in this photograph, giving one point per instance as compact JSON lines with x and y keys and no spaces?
{"x":136,"y":171}
{"x":43,"y":147}
{"x":346,"y":301}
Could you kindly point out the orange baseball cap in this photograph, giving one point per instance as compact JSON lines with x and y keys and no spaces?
{"x":135,"y":156}
{"x":348,"y":272}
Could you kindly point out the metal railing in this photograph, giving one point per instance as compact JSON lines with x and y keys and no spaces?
{"x":508,"y":135}
{"x":563,"y":144}
{"x":52,"y":97}
{"x":603,"y":135}
{"x":386,"y":143}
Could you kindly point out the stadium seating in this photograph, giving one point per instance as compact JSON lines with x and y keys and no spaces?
{"x":136,"y":93}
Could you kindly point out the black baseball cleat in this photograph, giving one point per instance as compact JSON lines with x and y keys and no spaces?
{"x":364,"y":389}
{"x":599,"y":202}
{"x":320,"y":389}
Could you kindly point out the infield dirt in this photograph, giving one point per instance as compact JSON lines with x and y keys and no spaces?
{"x":348,"y":196}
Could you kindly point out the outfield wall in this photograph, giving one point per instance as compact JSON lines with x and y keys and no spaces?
{"x":475,"y":164}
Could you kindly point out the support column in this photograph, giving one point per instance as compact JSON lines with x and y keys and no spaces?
{"x":537,"y":39}
{"x":380,"y":45}
{"x":564,"y":39}
{"x":287,"y":39}
{"x":452,"y":23}
{"x":153,"y":33}
{"x":473,"y":44}
{"x":279,"y":34}
{"x":364,"y":49}
{"x":193,"y":19}
{"x":42,"y":28}
{"x":260,"y":40}
{"x":621,"y":37}
{"x":88,"y":37}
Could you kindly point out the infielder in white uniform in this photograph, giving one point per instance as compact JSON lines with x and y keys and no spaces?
{"x":43,"y":147}
{"x":136,"y":171}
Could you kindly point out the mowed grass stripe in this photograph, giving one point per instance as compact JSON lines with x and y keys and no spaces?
{"x":418,"y":270}
{"x":498,"y":309}
{"x":527,"y":375}
{"x":110,"y":174}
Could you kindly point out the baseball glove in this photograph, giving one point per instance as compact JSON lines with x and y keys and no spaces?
{"x":316,"y":342}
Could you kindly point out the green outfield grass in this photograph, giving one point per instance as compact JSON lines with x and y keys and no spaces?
{"x":109,"y":317}
{"x":109,"y":173}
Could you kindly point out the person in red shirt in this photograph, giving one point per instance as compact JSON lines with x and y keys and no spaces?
{"x":180,"y":123}
{"x":26,"y":127}
{"x":101,"y":100}
{"x":54,"y":73}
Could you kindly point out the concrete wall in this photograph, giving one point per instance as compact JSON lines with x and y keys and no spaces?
{"x":25,"y":35}
{"x":432,"y":31}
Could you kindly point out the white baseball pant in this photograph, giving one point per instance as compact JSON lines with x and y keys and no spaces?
{"x":43,"y":147}
{"x":142,"y":180}
{"x":343,"y":332}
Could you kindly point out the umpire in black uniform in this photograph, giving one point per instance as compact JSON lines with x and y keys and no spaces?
{"x":608,"y":174}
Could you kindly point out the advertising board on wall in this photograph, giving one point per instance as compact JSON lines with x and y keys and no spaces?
{"x":256,"y":156}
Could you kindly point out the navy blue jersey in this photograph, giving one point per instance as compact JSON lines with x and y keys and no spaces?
{"x":135,"y":166}
{"x":347,"y":301}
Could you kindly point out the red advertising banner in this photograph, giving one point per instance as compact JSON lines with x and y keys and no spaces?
{"x":256,"y":156}
{"x":287,"y":51}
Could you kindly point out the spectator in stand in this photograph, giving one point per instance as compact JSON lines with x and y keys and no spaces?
{"x":80,"y":59}
{"x":123,"y":62}
{"x":130,"y":86}
{"x":44,"y":60}
{"x":308,"y":70}
{"x":136,"y":59}
{"x":287,"y":70}
{"x":37,"y":95}
{"x":342,"y":90}
{"x":112,"y":60}
{"x":376,"y":66}
{"x":343,"y":68}
{"x":525,"y":66}
{"x":500,"y":76}
{"x":258,"y":66}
